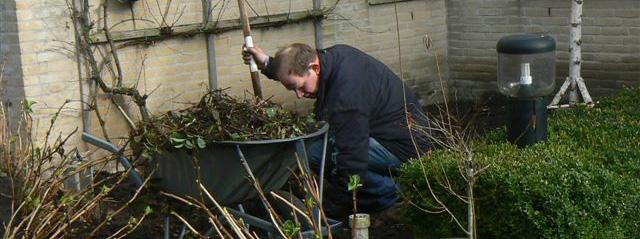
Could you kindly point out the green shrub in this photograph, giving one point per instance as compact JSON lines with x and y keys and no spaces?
{"x":583,"y":183}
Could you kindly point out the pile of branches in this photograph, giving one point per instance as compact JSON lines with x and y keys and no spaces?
{"x":220,"y":117}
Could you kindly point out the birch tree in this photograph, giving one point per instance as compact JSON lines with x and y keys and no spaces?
{"x":574,"y":82}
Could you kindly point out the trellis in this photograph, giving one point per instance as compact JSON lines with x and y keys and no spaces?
{"x":90,"y":67}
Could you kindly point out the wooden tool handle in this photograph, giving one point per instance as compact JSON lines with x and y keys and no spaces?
{"x":248,"y":41}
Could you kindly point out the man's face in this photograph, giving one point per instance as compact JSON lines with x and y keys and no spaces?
{"x":303,"y":86}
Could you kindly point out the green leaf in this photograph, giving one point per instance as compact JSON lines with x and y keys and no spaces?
{"x":296,"y":129}
{"x":190,"y":122}
{"x":310,"y":202}
{"x":27,"y":106}
{"x":188,"y":144}
{"x":35,"y":202}
{"x":311,"y":119}
{"x":105,"y":189}
{"x":354,"y":182}
{"x":147,"y":210}
{"x":133,"y":221}
{"x":67,"y":199}
{"x":291,"y":228}
{"x":271,"y":112}
{"x":177,"y":140}
{"x":201,"y":143}
{"x":238,"y":137}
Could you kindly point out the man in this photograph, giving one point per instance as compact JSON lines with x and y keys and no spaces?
{"x":364,"y":103}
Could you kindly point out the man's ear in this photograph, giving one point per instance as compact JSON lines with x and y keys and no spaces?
{"x":315,"y":67}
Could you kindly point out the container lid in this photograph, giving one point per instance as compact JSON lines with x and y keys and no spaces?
{"x":526,"y":44}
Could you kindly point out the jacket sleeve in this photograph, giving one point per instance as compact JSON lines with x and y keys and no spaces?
{"x":269,"y":70}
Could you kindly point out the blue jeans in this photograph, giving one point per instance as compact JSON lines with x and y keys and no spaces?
{"x":380,"y":191}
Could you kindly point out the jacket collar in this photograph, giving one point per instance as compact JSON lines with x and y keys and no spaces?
{"x":326,"y":70}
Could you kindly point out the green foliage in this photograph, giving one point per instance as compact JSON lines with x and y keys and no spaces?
{"x":583,"y":183}
{"x":179,"y":140}
{"x":220,"y":117}
{"x":310,"y":202}
{"x":27,"y":106}
{"x":291,"y":228}
{"x":354,"y":183}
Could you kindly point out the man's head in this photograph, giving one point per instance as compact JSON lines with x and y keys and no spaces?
{"x":298,"y":69}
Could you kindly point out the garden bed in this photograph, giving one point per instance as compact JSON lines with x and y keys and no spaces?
{"x":583,"y":182}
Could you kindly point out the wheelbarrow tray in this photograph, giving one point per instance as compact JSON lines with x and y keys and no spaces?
{"x":222,"y":171}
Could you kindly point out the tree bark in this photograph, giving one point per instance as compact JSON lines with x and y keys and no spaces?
{"x":575,"y":48}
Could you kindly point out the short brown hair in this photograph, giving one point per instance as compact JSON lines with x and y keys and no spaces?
{"x":297,"y":57}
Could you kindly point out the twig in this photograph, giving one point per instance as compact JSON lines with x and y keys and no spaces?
{"x":187,"y":224}
{"x":123,"y":207}
{"x":114,"y":49}
{"x":292,"y":207}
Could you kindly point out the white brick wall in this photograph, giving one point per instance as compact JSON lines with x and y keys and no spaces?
{"x":174,"y":72}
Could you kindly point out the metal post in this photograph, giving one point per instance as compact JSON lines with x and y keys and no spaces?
{"x":211,"y":47}
{"x":317,"y":26}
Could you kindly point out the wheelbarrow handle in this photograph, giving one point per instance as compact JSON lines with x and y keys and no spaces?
{"x":100,"y":143}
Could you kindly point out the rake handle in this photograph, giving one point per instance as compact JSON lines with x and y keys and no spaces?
{"x":248,"y":41}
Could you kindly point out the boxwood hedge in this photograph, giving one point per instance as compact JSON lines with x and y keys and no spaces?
{"x":583,"y":183}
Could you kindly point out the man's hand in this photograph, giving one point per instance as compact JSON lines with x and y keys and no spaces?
{"x":258,"y":56}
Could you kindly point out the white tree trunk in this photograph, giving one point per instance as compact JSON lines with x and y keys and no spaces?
{"x":575,"y":42}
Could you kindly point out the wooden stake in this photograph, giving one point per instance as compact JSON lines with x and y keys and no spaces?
{"x":248,"y":41}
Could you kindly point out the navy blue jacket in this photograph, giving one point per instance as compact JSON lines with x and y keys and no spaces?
{"x":361,"y":97}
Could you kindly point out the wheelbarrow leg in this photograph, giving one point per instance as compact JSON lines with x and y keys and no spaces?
{"x":302,"y":154}
{"x":325,"y":143}
{"x":255,"y":183}
{"x":167,"y":220}
{"x":183,"y":230}
{"x":113,"y":149}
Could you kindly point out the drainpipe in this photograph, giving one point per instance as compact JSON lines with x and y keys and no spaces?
{"x":211,"y":47}
{"x":84,"y":84}
{"x":317,"y":27}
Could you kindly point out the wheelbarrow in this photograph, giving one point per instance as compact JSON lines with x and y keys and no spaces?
{"x":225,"y":167}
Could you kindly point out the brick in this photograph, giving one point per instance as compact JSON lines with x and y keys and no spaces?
{"x":627,"y":13}
{"x":489,"y":12}
{"x":495,"y":20}
{"x":631,"y":41}
{"x":590,"y":12}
